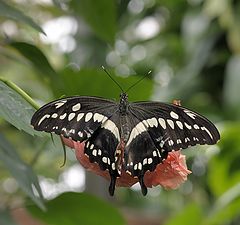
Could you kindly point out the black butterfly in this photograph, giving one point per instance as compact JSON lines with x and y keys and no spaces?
{"x":134,"y":137}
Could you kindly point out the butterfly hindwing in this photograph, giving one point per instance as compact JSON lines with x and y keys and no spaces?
{"x":101,"y":148}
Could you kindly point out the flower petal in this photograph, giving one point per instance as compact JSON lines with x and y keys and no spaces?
{"x":170,"y":174}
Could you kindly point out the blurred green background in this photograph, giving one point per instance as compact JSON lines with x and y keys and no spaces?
{"x":52,"y":48}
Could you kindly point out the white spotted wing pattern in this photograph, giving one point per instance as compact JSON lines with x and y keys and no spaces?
{"x":132,"y":137}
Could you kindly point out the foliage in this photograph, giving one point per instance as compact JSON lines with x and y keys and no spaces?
{"x":192,"y":48}
{"x":81,"y":208}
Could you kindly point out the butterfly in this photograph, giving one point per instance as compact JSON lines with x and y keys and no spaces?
{"x":125,"y":136}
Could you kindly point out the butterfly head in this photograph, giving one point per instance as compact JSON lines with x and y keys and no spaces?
{"x":123,"y":97}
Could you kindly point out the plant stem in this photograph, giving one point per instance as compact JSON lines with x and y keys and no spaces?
{"x":22,"y":93}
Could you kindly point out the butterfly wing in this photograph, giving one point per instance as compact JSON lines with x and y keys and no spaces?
{"x":101,"y":148}
{"x":160,"y":128}
{"x":90,"y":119}
{"x":75,"y":117}
{"x":154,"y":130}
{"x":176,"y":126}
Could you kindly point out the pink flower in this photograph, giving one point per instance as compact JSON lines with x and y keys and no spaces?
{"x":170,"y":174}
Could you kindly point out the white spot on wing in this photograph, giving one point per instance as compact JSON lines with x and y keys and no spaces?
{"x":104,"y":159}
{"x":204,"y":128}
{"x":174,"y":115}
{"x":80,"y":116}
{"x":195,"y":139}
{"x":54,"y":115}
{"x":188,"y":126}
{"x":180,"y":125}
{"x":94,"y":152}
{"x":145,"y":123}
{"x":135,"y":167}
{"x":80,"y":134}
{"x":150,"y":160}
{"x":170,"y":123}
{"x":140,"y":166}
{"x":170,"y":143}
{"x":154,"y":153}
{"x":190,"y":114}
{"x":71,"y":116}
{"x":60,"y":103}
{"x":138,"y":129}
{"x":43,"y":118}
{"x":195,"y":126}
{"x":98,"y":117}
{"x":72,"y":131}
{"x":162,"y":123}
{"x":76,"y":107}
{"x":162,"y":143}
{"x":145,"y":161}
{"x":63,"y":116}
{"x":113,"y":166}
{"x":152,"y":122}
{"x":110,"y":125}
{"x":88,"y":116}
{"x":179,"y":141}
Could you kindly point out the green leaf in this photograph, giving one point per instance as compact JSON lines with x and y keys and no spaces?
{"x":231,"y":85}
{"x":15,"y":108}
{"x":10,"y":12}
{"x":97,"y":83}
{"x":40,"y":62}
{"x":81,"y":208}
{"x":190,"y":213}
{"x":226,"y":208}
{"x":100,"y":15}
{"x":6,"y":219}
{"x":23,"y":173}
{"x":36,"y":57}
{"x":227,"y":174}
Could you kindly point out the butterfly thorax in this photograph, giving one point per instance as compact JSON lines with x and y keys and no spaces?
{"x":123,"y":119}
{"x":123,"y":104}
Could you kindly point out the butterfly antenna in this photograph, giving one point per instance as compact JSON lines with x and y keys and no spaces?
{"x":149,"y":72}
{"x":113,"y":79}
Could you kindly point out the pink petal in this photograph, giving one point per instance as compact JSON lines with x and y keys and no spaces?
{"x":170,"y":174}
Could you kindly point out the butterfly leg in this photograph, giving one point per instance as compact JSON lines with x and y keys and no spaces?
{"x":143,"y":186}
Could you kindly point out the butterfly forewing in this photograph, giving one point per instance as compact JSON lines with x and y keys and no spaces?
{"x":75,"y":117}
{"x":174,"y":127}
